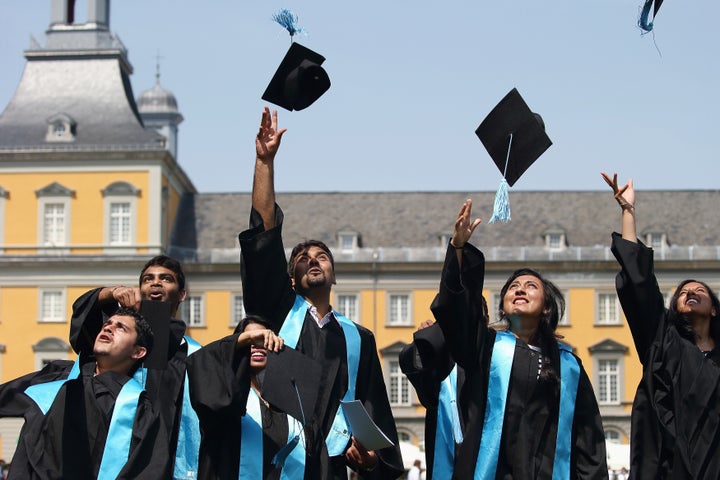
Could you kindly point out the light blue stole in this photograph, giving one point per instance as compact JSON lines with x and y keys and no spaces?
{"x":187,"y":453}
{"x":251,"y":445}
{"x":500,"y":367}
{"x":188,"y":445}
{"x":119,"y":437}
{"x":448,"y":431}
{"x":339,"y":434}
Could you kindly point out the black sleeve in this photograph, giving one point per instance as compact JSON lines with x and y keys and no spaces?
{"x":87,"y":319}
{"x":219,"y":379}
{"x":267,"y":289}
{"x":426,"y":362}
{"x":638,"y":291}
{"x":14,"y":402}
{"x":149,"y":456}
{"x":372,"y":392}
{"x":458,"y":306}
{"x":588,"y":447}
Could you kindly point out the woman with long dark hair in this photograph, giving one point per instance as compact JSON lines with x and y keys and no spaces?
{"x":527,"y":403}
{"x":676,"y":411}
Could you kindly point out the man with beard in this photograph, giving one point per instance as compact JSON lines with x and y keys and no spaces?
{"x":89,"y":418}
{"x":295,"y":298}
{"x":161,"y":279}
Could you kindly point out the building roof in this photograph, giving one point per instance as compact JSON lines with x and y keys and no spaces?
{"x":81,"y":77}
{"x":411,"y":223}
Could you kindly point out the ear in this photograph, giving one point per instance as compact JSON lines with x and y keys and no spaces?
{"x":139,"y":352}
{"x":292,"y":281}
{"x":183,"y":294}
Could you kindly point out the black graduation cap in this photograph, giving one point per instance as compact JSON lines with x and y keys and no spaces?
{"x":290,"y":374}
{"x":299,"y":80}
{"x":158,"y":315}
{"x":529,"y":140}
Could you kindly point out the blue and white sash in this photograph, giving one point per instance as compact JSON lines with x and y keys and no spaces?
{"x":500,"y":368}
{"x":448,"y":431}
{"x":119,"y":437}
{"x":251,"y":445}
{"x":188,"y":446}
{"x":339,"y":434}
{"x":569,"y":379}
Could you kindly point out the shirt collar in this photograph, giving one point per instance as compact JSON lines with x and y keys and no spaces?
{"x":321,"y":322}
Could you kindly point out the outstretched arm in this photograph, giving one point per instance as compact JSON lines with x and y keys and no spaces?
{"x":267,"y":143}
{"x":625,"y":197}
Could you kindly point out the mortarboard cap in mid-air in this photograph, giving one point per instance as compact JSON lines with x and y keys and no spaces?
{"x":299,"y":80}
{"x":514,"y":137}
{"x":644,"y":21}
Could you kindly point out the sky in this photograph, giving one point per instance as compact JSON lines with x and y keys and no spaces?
{"x":412,"y":80}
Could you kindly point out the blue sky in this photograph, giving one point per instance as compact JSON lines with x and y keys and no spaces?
{"x":412,"y":80}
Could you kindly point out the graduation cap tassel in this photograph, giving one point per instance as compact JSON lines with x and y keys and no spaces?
{"x":288,"y":20}
{"x":501,"y":207}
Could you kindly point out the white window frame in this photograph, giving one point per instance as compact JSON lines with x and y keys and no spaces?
{"x":555,"y":241}
{"x":392,"y":310}
{"x":58,"y":316}
{"x":348,"y":241}
{"x":4,"y":194}
{"x":564,"y":321}
{"x":612,"y":378}
{"x":399,"y":391}
{"x":191,"y":304}
{"x":340,"y":305}
{"x":613,"y":435}
{"x":236,"y":315}
{"x":49,"y":349}
{"x":601,"y":300}
{"x":115,"y":194}
{"x":656,"y":240}
{"x":51,"y":195}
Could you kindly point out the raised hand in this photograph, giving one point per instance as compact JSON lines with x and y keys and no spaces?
{"x":625,"y":195}
{"x":464,"y":228}
{"x":262,"y":338}
{"x":268,"y":138}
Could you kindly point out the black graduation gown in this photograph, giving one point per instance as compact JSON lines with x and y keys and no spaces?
{"x":676,"y":410}
{"x":268,"y":292}
{"x":219,"y":386}
{"x":527,"y":446}
{"x":164,"y":387}
{"x":68,"y":442}
{"x":426,"y":367}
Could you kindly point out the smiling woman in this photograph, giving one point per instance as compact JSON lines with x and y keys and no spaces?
{"x":677,"y":401}
{"x":520,"y":382}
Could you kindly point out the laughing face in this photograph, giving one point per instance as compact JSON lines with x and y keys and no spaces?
{"x":525,"y":297}
{"x":258,"y":355}
{"x":160,"y":284}
{"x":694,"y":299}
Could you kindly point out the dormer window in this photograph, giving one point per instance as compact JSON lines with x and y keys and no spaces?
{"x":348,"y":240}
{"x":61,"y":128}
{"x":656,"y":240}
{"x":555,"y":239}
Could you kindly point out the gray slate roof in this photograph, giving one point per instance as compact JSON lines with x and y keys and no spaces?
{"x":91,"y":87}
{"x":415,"y":220}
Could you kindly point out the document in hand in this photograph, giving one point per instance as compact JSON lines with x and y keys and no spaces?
{"x":363,"y":428}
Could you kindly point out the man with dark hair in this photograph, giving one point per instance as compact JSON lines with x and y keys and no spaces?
{"x":90,"y":418}
{"x":161,"y":279}
{"x":298,"y":306}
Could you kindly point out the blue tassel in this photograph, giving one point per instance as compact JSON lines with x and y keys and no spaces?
{"x":644,"y":22}
{"x":501,"y":209}
{"x":288,"y":20}
{"x":282,"y":454}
